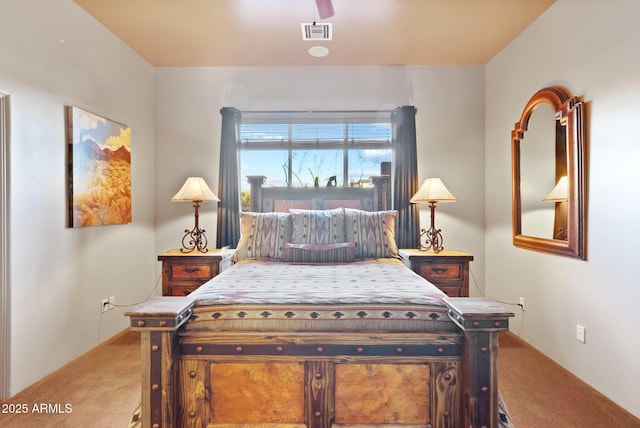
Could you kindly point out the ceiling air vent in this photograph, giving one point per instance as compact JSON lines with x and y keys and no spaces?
{"x":316,"y":31}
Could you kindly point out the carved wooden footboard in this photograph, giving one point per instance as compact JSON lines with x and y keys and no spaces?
{"x":316,"y":379}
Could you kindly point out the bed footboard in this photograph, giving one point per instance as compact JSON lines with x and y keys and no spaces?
{"x":319,"y":380}
{"x":481,"y":320}
{"x":158,"y":319}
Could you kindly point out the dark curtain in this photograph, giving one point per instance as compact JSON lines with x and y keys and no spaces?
{"x":405,"y":176}
{"x":228,"y":232}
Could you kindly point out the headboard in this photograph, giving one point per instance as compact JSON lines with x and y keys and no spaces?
{"x":280,"y":199}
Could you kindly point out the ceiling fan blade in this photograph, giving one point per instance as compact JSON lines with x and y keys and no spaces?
{"x":325,"y":8}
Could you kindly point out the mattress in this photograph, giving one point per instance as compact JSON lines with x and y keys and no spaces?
{"x":369,"y":295}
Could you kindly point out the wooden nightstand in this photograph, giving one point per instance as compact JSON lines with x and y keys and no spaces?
{"x":448,"y":269}
{"x":182,"y":273}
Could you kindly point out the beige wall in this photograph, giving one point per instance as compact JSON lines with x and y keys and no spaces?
{"x":587,"y":46}
{"x":53,"y":54}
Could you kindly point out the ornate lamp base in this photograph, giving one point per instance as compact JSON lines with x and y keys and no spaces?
{"x":194,"y":239}
{"x":431,"y":240}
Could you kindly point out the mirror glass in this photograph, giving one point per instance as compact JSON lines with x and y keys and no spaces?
{"x":538,"y":172}
{"x":548,"y":174}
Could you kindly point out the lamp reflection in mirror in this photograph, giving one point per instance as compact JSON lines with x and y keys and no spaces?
{"x":559,"y":192}
{"x":432,"y":191}
{"x":195,"y":189}
{"x":559,"y":195}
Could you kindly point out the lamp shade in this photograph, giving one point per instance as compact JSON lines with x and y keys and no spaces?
{"x":559,"y":192}
{"x":195,"y":189}
{"x":432,"y":190}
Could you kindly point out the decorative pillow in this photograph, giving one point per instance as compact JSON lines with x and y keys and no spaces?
{"x":373,"y":232}
{"x":262,"y":235}
{"x":318,"y":226}
{"x":342,"y":252}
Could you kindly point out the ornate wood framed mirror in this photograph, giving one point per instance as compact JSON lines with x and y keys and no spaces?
{"x":548,"y":144}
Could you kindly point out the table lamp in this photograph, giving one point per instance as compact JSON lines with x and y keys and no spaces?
{"x":560,"y":192}
{"x":432,"y":191}
{"x":195,"y":189}
{"x":559,"y":195}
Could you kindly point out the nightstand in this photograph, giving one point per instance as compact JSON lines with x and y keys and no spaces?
{"x":182,"y":273}
{"x":448,"y":270}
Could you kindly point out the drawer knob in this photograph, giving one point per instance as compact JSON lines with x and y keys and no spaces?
{"x":439,"y":270}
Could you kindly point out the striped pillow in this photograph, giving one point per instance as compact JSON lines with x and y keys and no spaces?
{"x":318,"y":226}
{"x":373,"y":231}
{"x":262,"y":235}
{"x":342,"y":252}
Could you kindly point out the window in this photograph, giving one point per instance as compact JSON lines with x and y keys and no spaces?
{"x":300,"y":149}
{"x":393,"y":141}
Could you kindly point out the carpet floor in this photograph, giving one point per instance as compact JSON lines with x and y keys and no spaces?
{"x":102,"y":387}
{"x":541,"y":394}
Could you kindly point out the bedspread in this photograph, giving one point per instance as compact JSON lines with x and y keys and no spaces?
{"x":378,"y":294}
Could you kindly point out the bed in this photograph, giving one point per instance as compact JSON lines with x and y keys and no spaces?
{"x":318,"y":325}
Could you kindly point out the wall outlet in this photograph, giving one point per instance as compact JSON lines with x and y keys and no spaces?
{"x":521,"y":304}
{"x":581,"y":334}
{"x":108,"y":304}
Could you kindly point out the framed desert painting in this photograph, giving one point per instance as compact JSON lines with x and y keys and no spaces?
{"x":99,"y":169}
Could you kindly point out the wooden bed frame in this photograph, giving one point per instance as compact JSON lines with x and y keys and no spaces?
{"x":319,"y":379}
{"x":446,"y":379}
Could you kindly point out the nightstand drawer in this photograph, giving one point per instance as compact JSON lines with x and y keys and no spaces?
{"x":452,"y":291}
{"x":187,"y":271}
{"x":448,"y":270}
{"x":183,"y":273}
{"x":181,"y":291}
{"x":438,"y":270}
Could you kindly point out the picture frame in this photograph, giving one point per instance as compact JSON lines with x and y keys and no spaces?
{"x":98,"y":169}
